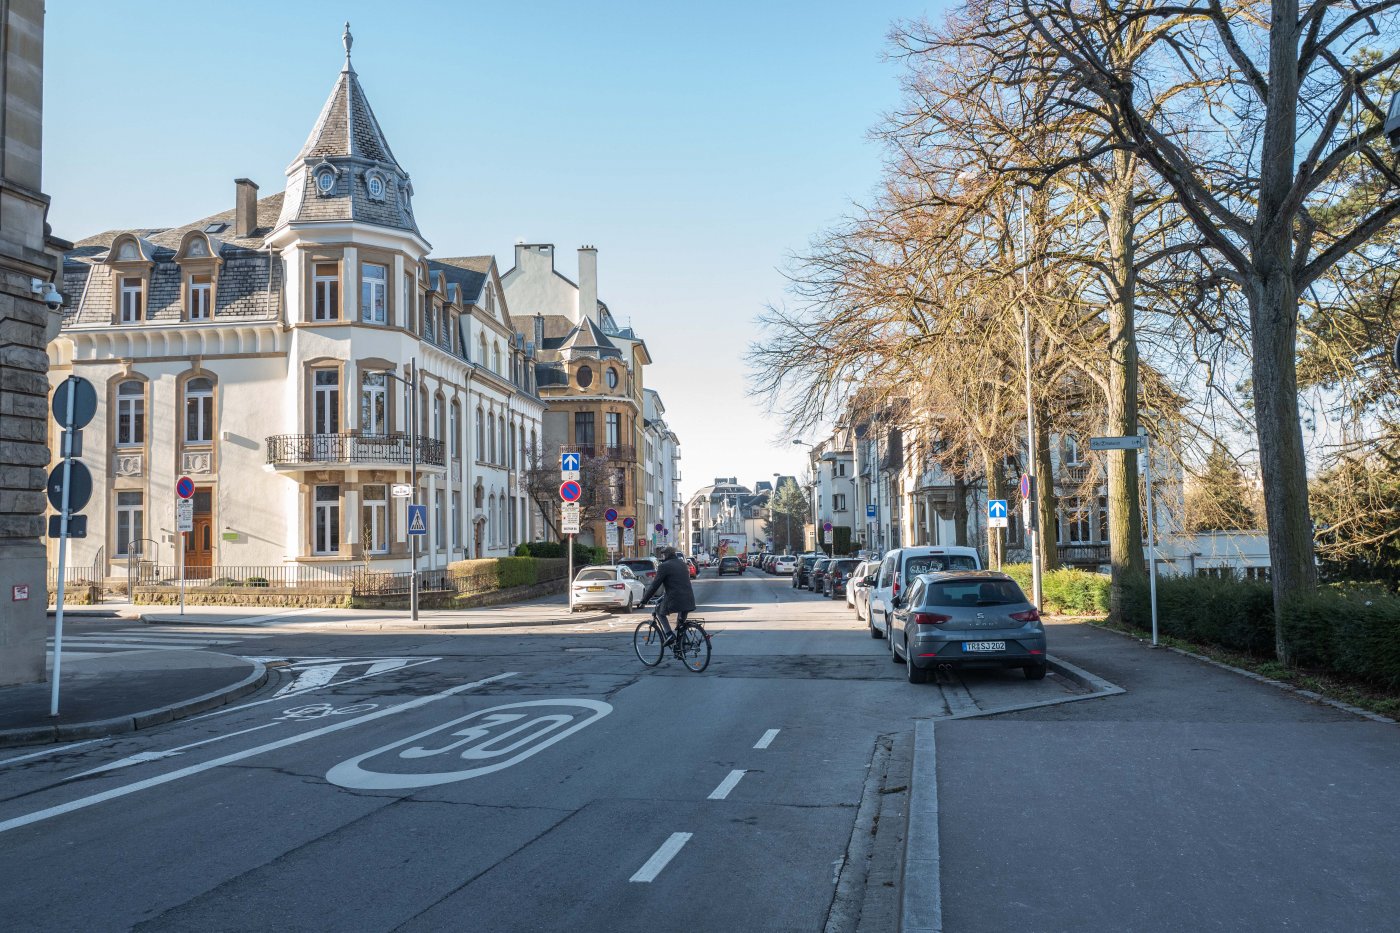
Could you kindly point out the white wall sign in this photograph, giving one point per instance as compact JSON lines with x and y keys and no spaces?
{"x":401,"y":490}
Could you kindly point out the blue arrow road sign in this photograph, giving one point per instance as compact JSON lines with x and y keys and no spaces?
{"x":568,"y":462}
{"x":417,"y":519}
{"x":996,"y":508}
{"x":870,"y":510}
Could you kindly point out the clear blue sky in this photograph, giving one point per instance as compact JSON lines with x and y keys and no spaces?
{"x":696,"y":145}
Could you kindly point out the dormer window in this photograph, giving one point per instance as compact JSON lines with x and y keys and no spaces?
{"x":133,"y":299}
{"x":376,"y":184}
{"x":128,"y":251}
{"x":200,"y":295}
{"x":325,"y":175}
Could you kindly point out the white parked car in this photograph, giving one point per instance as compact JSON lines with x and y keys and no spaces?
{"x":609,"y":587}
{"x":898,"y":570}
{"x":785,"y":565}
{"x":859,"y":573}
{"x":863,"y":586}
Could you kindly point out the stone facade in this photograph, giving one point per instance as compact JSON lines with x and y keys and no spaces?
{"x":27,"y":254}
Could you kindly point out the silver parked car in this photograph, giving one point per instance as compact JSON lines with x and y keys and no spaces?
{"x":972,"y":619}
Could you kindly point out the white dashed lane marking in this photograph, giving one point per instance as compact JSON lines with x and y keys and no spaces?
{"x":725,"y":786}
{"x":767,"y":739}
{"x":661,"y":858}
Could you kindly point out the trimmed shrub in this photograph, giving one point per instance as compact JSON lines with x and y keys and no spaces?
{"x":522,"y":550}
{"x":1237,"y":615}
{"x":1352,"y":631}
{"x":554,"y":549}
{"x":515,"y":571}
{"x":255,"y":581}
{"x":1070,"y":591}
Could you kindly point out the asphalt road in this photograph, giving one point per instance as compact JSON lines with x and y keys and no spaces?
{"x":542,"y":779}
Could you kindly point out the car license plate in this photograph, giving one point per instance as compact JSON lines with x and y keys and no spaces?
{"x":595,"y":589}
{"x":978,"y":646}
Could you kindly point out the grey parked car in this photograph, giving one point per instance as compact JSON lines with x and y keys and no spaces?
{"x":970,"y":619}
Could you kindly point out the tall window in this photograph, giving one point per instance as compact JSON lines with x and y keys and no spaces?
{"x":374,"y":293}
{"x":131,"y":414}
{"x":438,"y":423}
{"x":130,"y":521}
{"x":132,"y":297}
{"x":201,"y":296}
{"x":480,"y":436}
{"x":1075,"y":522}
{"x":512,"y":446}
{"x":456,"y":519}
{"x":199,"y":411}
{"x":374,"y":404}
{"x":325,"y":402}
{"x":614,"y":429}
{"x":491,"y":432}
{"x":496,"y":358}
{"x":407,"y":315}
{"x":501,"y":433}
{"x":430,"y":322}
{"x":1073,"y":456}
{"x":617,"y":487}
{"x":325,"y":291}
{"x":326,"y":521}
{"x":838,"y":502}
{"x":1103,"y":518}
{"x":456,"y":430}
{"x":374,"y":519}
{"x":583,"y":428}
{"x":440,"y":520}
{"x":481,"y":351}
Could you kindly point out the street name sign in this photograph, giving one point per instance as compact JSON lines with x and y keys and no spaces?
{"x":996,"y":513}
{"x":1128,"y":442}
{"x":418,"y":519}
{"x":401,"y":490}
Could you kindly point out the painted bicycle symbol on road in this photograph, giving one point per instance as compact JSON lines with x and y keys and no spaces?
{"x":322,"y":710}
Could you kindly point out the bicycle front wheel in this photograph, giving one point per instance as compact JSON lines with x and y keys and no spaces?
{"x":646,"y":641}
{"x":695,"y":648}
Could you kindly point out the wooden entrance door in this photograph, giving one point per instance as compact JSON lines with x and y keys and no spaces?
{"x":199,"y":543}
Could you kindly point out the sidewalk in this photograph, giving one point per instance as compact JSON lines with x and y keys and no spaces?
{"x":122,"y":692}
{"x":549,"y":610}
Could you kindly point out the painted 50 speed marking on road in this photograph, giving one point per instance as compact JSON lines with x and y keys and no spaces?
{"x":494,"y":739}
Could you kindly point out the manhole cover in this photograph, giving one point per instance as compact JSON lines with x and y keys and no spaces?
{"x":585,"y":649}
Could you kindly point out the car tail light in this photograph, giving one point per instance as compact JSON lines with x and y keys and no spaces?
{"x":930,"y":618}
{"x":619,"y":586}
{"x":1030,"y":615}
{"x":895,"y":592}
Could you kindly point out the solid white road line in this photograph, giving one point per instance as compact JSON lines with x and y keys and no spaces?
{"x":921,"y":907}
{"x":140,"y":757}
{"x":661,"y":858}
{"x":296,"y":693}
{"x":725,"y":786}
{"x":84,"y":802}
{"x":49,"y":751}
{"x":767,"y":739}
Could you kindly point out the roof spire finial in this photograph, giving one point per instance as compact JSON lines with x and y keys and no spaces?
{"x":348,"y":40}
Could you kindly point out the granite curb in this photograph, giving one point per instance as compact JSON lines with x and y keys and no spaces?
{"x":99,"y":728}
{"x":389,"y":626}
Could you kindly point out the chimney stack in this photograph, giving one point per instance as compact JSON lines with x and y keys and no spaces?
{"x":245,"y":212}
{"x":588,"y":284}
{"x":539,"y":330}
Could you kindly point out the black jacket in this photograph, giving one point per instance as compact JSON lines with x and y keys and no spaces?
{"x":674,"y":575}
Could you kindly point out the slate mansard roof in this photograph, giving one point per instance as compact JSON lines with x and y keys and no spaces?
{"x":244,"y":290}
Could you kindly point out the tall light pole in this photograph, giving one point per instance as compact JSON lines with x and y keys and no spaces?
{"x":1032,"y":527}
{"x":812,"y":494}
{"x":411,"y":387}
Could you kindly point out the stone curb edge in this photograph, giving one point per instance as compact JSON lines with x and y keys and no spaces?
{"x":99,"y":728}
{"x":1260,"y":678}
{"x":153,"y":619}
{"x":920,"y":883}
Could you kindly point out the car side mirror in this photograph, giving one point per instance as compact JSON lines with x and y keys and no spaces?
{"x":897,"y":602}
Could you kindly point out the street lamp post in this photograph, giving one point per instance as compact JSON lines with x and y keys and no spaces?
{"x":411,"y":387}
{"x":787,"y":539}
{"x":1033,"y":531}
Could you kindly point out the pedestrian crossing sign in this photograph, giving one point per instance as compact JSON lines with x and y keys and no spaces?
{"x":417,"y":519}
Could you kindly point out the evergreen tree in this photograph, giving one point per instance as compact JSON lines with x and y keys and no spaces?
{"x":1219,"y":498}
{"x":788,"y":509}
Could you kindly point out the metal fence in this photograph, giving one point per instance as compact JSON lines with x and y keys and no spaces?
{"x":318,"y":577}
{"x":353,"y":448}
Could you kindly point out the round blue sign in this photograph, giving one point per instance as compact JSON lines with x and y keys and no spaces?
{"x":184,"y":487}
{"x":610,"y":515}
{"x":570,"y":491}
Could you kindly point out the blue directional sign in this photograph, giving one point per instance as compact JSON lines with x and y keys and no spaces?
{"x":417,"y":519}
{"x":569,"y":462}
{"x":996,"y":508}
{"x":870,"y":510}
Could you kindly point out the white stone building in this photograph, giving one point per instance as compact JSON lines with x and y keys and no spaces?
{"x":247,"y":350}
{"x":663,"y":477}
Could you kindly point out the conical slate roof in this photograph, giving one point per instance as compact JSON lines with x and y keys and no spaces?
{"x":588,"y":339}
{"x":363,"y":182}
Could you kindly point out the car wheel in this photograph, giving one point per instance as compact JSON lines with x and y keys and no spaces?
{"x":870,"y":624}
{"x":889,"y":634}
{"x":916,"y":674}
{"x":627,"y":609}
{"x":1035,"y":671}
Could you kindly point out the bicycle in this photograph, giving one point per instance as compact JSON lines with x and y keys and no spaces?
{"x":691,"y":647}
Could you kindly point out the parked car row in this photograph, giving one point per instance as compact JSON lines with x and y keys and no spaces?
{"x":935,"y":606}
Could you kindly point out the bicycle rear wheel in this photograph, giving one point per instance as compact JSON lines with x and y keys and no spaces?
{"x":646,"y":641}
{"x":695,"y":647}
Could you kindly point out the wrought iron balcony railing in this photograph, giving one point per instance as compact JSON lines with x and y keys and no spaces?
{"x":609,"y":453}
{"x":352,"y":448}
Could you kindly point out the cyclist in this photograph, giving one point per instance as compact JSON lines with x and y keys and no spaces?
{"x":680,"y":598}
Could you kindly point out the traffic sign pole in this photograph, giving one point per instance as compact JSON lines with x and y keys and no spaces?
{"x":62,"y":557}
{"x":1151,"y":541}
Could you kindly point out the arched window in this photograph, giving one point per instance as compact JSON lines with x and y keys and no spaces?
{"x":490,"y":520}
{"x":534,"y":447}
{"x":501,"y":430}
{"x":456,"y":430}
{"x":482,"y":351}
{"x":512,"y":445}
{"x":480,"y":439}
{"x":491,"y":431}
{"x":131,"y":414}
{"x":199,"y":411}
{"x":496,"y":358}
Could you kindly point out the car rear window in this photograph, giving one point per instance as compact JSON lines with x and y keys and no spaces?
{"x":973,"y":593}
{"x":938,"y":563}
{"x":845,"y":566}
{"x":595,"y":575}
{"x":645,"y":566}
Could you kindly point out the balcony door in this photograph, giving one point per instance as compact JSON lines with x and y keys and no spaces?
{"x":325,"y":412}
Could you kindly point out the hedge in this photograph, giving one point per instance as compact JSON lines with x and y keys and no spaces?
{"x":479,"y":576}
{"x":1237,"y":615}
{"x":1350,"y":631}
{"x":583,"y":554}
{"x":1074,"y":592}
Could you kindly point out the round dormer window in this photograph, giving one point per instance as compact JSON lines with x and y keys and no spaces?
{"x":325,"y":181}
{"x":585,"y":377}
{"x":375,"y":183}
